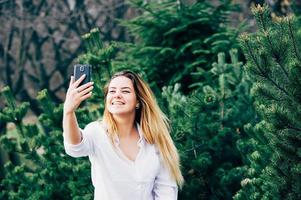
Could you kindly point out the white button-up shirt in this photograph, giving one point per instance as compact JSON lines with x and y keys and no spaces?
{"x":114,"y":176}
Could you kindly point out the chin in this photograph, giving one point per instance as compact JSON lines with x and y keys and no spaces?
{"x":115,"y":111}
{"x":118,"y":111}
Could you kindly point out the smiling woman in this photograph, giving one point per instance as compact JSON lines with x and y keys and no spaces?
{"x":121,"y":97}
{"x":131,"y":152}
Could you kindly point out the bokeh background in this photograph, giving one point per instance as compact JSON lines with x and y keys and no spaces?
{"x":227,"y":74}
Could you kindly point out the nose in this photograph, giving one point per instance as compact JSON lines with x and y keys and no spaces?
{"x":117,"y":94}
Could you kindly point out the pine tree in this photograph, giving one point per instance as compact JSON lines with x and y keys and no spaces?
{"x":206,"y":126}
{"x":274,"y":63}
{"x":174,"y":40}
{"x":41,"y":169}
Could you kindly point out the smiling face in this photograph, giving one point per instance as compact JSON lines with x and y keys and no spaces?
{"x":121,"y":98}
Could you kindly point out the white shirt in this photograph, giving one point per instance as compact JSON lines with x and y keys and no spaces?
{"x":114,"y":176}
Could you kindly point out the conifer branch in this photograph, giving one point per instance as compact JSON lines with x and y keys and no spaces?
{"x":194,"y":148}
{"x":276,"y":56}
{"x":261,"y":18}
{"x":38,"y":162}
{"x":278,"y":86}
{"x":254,"y":59}
{"x":293,"y":40}
{"x":289,"y":126}
{"x":271,"y":45}
{"x":262,"y":72}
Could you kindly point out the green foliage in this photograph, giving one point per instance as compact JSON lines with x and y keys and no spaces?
{"x":12,"y":112}
{"x":100,"y":56}
{"x":273,"y":151}
{"x":206,"y":126}
{"x":43,"y":170}
{"x":175,"y":40}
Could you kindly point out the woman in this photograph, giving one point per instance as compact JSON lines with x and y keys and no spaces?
{"x":131,"y":152}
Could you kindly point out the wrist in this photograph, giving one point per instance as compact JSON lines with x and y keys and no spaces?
{"x":69,"y":113}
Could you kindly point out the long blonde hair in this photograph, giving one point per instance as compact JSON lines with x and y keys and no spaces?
{"x":152,"y":121}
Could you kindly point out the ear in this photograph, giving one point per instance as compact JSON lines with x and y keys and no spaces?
{"x":137,"y":106}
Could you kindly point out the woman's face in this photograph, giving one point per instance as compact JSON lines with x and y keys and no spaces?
{"x":121,"y":98}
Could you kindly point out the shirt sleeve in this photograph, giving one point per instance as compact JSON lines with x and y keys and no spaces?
{"x":85,"y":147}
{"x":165,"y":188}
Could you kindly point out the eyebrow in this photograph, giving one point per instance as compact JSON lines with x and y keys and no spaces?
{"x":121,"y":88}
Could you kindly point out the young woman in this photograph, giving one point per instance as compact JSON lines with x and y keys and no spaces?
{"x":131,"y":152}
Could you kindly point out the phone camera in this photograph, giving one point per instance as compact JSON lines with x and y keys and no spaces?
{"x":82,"y":68}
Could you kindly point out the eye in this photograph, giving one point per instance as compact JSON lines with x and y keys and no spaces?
{"x":111,"y":91}
{"x":125,"y":91}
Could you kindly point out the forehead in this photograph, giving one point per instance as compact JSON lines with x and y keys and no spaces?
{"x":121,"y":81}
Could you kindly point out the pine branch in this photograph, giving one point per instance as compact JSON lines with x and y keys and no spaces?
{"x":291,"y":33}
{"x":275,"y":55}
{"x":262,"y":72}
{"x":289,"y":126}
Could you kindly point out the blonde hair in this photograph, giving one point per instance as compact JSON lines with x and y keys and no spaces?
{"x":153,"y":123}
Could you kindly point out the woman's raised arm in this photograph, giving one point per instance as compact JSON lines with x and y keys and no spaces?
{"x":75,"y":95}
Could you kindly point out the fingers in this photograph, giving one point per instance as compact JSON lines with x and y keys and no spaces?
{"x":75,"y":95}
{"x":86,"y":96}
{"x":71,"y":81}
{"x":77,"y":82}
{"x":82,"y":92}
{"x":86,"y":90}
{"x":83,"y":87}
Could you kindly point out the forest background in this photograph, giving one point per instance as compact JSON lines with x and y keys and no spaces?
{"x":227,"y":74}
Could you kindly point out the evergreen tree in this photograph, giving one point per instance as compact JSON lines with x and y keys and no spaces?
{"x":273,"y":152}
{"x":174,"y":40}
{"x":206,"y":126}
{"x":41,"y":169}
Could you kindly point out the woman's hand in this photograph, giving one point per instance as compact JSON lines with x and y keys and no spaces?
{"x":75,"y":95}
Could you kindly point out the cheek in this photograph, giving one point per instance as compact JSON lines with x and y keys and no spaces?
{"x":108,"y":99}
{"x":133,"y":100}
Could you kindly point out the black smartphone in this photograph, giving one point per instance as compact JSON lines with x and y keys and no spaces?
{"x":81,"y":69}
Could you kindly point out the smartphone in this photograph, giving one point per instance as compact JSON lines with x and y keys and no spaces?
{"x":81,"y":69}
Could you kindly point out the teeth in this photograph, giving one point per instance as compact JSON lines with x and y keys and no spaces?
{"x":117,"y":103}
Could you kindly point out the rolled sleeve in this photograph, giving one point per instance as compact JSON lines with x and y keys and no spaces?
{"x":85,"y":147}
{"x":165,"y":188}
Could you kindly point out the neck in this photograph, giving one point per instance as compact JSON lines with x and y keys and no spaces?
{"x":125,"y":125}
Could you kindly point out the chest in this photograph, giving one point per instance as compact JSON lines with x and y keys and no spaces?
{"x":145,"y":166}
{"x":129,"y":148}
